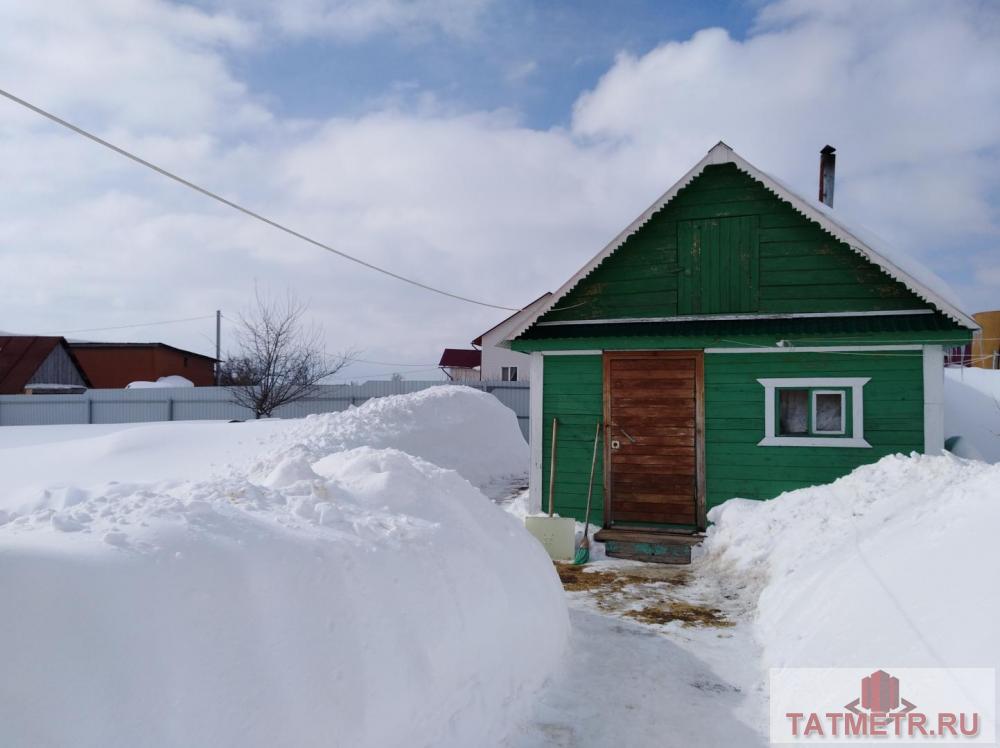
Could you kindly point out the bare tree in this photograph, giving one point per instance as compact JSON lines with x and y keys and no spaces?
{"x":279,"y":359}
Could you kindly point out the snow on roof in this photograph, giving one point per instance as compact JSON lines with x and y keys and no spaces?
{"x":54,"y":386}
{"x":898,"y":265}
{"x":171,"y":380}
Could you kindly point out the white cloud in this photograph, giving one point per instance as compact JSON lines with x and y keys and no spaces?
{"x":153,"y":66}
{"x":909,"y":93}
{"x":475,"y":202}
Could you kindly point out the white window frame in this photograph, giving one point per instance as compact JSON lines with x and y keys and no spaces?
{"x":855,"y":384}
{"x":508,"y":373}
{"x":843,"y":415}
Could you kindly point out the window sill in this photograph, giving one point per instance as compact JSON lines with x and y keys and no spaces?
{"x":812,"y":441}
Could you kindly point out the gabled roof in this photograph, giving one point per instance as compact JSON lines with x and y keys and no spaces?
{"x":514,"y":318}
{"x":460,"y":358}
{"x":74,"y":344}
{"x":21,"y":355}
{"x":898,"y":266}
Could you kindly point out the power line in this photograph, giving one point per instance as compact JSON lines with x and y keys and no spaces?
{"x":246,"y":211}
{"x":140,"y":324}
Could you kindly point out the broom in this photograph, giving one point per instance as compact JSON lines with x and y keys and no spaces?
{"x":583,"y":551}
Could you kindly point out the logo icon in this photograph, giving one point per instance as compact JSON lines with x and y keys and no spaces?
{"x":880,"y":696}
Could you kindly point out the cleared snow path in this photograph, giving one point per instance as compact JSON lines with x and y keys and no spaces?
{"x":659,"y":656}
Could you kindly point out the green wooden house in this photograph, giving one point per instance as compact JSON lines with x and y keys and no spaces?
{"x":734,"y":340}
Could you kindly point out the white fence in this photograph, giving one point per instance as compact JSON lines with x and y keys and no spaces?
{"x":216,"y":403}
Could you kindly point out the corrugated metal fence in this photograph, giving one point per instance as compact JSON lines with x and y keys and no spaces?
{"x":215,"y":403}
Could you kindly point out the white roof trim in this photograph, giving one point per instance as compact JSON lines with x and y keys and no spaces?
{"x":732,"y":317}
{"x":723,"y":154}
{"x":510,"y":320}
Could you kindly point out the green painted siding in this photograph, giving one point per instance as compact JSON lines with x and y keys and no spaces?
{"x":734,"y":423}
{"x":801,"y":268}
{"x":573,"y":393}
{"x":734,"y":420}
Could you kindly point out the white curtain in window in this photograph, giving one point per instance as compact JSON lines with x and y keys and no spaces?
{"x":829,"y":412}
{"x":793,"y":412}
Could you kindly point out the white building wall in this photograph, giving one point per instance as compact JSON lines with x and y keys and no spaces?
{"x":462,"y":374}
{"x":494,"y":358}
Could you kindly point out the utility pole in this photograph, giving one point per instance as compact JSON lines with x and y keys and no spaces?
{"x":218,"y":346}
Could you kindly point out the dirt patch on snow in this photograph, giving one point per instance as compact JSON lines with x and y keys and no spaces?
{"x":687,"y":613}
{"x":654,"y":594}
{"x":583,"y":578}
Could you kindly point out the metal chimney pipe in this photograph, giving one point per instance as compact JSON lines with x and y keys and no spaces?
{"x":827,"y":172}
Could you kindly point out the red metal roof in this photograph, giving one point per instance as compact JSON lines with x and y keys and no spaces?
{"x":94,"y":344}
{"x":20,"y":357}
{"x":461,"y":358}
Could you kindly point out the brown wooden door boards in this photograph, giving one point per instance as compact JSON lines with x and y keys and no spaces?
{"x":654,"y":446}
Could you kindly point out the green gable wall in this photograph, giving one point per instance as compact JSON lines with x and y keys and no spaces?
{"x":573,"y":393}
{"x":734,"y":419}
{"x":793,"y":265}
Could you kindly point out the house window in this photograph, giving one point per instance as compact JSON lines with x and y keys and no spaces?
{"x":793,"y":412}
{"x":811,"y":412}
{"x":814,"y":412}
{"x":508,"y":373}
{"x":828,"y":413}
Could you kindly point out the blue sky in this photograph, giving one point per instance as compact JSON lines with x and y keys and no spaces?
{"x":531,"y":58}
{"x":488,"y":147}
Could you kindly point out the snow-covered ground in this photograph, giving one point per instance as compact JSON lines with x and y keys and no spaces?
{"x":660,"y":656}
{"x":278,"y":583}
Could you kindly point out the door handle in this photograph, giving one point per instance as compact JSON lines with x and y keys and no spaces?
{"x":627,"y":435}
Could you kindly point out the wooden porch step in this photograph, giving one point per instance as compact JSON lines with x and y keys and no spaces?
{"x":650,"y":546}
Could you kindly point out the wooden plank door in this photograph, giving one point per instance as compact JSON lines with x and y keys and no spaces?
{"x":654,"y":438}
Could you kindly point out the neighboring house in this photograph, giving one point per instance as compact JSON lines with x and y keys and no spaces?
{"x":500,"y":363}
{"x":35,"y":364}
{"x":461,"y":365}
{"x":734,"y":340}
{"x":985,"y":347}
{"x":115,"y":365}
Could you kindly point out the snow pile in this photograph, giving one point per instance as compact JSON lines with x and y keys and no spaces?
{"x":893,"y":564}
{"x":972,"y":412}
{"x":358,"y":596}
{"x":34,"y":459}
{"x":173,"y":380}
{"x":451,"y":426}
